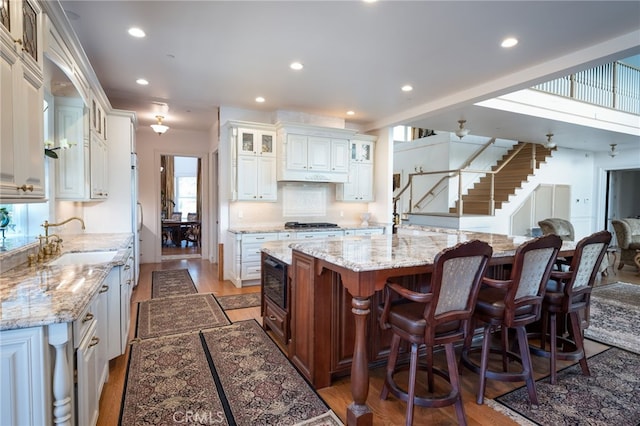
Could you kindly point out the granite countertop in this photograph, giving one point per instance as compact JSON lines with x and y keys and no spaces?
{"x":281,"y":228}
{"x":41,"y":294}
{"x":378,"y":252}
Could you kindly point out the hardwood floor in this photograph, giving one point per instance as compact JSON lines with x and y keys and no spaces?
{"x":337,"y":396}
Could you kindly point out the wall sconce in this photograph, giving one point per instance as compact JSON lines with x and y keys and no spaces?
{"x":613,"y":152}
{"x":159,"y":128}
{"x":462,"y":132}
{"x":549,"y":144}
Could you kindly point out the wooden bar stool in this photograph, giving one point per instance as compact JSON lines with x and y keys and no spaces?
{"x":440,"y":317}
{"x":568,"y":293}
{"x":512,"y":304}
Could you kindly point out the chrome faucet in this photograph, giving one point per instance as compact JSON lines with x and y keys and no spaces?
{"x":46,"y":226}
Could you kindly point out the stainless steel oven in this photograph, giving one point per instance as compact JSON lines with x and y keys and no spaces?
{"x":274,"y":281}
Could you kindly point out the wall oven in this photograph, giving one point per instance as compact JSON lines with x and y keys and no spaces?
{"x":274,"y":281}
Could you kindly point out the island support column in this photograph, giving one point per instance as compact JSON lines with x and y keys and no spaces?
{"x":358,"y":413}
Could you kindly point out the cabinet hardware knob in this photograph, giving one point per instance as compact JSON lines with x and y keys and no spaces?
{"x":26,"y":188}
{"x":126,"y":267}
{"x":104,"y":289}
{"x":94,"y":341}
{"x":87,"y":317}
{"x":272,"y":318}
{"x":18,"y":41}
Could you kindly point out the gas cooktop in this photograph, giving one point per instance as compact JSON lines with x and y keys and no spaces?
{"x":297,"y":225}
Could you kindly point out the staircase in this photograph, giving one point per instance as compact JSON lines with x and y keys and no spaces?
{"x":510,"y":176}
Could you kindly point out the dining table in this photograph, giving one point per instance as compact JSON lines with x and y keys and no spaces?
{"x":364,"y":264}
{"x":175,"y":229}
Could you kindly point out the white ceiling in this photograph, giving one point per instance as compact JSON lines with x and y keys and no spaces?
{"x":198,"y":55}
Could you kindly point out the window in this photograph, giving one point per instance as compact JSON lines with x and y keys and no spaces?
{"x":186,"y":195}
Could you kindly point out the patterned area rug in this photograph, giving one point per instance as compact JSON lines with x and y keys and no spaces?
{"x":178,"y":314}
{"x":608,"y":397}
{"x":174,"y":282}
{"x":260,"y":384}
{"x":165,"y":384}
{"x":239,"y":301}
{"x":615,"y":316}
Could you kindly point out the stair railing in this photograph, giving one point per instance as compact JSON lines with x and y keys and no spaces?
{"x":459,"y":173}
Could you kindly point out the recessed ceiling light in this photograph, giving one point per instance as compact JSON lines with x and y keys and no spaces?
{"x":260,"y":99}
{"x":351,"y":113}
{"x":509,"y":42}
{"x":296,"y":66}
{"x":136,"y":32}
{"x":407,"y":88}
{"x":142,"y":82}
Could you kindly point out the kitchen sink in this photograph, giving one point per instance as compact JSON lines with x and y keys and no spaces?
{"x":84,"y":258}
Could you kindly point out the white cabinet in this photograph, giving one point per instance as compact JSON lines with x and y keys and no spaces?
{"x":365,"y":231}
{"x":24,"y":382}
{"x":246,"y":255}
{"x":126,"y":287}
{"x":21,"y":104}
{"x":71,"y":132}
{"x":310,"y":153}
{"x":99,"y":174}
{"x":312,"y":235}
{"x":254,"y":162}
{"x":88,"y":386}
{"x":360,"y":184}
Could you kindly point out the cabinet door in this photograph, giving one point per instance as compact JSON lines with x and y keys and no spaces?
{"x":247,"y":142}
{"x":266,"y":179}
{"x":99,"y":168}
{"x":319,"y":154}
{"x":113,"y":313}
{"x":296,"y":152}
{"x":102,"y":332}
{"x":22,"y":369}
{"x":87,"y":397}
{"x":247,"y":177}
{"x":365,"y":181}
{"x":30,"y":121}
{"x":72,"y":163}
{"x":362,"y":151}
{"x":339,"y":155}
{"x":267,"y":143}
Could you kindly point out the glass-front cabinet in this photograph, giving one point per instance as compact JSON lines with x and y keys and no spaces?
{"x":256,"y":142}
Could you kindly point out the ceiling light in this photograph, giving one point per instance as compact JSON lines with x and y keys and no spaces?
{"x":142,"y":82}
{"x":136,"y":32}
{"x":296,"y":66}
{"x":613,"y":152}
{"x":159,"y":128}
{"x":549,"y":144}
{"x":462,"y":132}
{"x":260,"y":99}
{"x":407,"y":88}
{"x":509,"y":42}
{"x":351,"y":113}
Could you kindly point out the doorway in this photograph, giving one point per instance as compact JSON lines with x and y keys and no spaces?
{"x":180,"y":207}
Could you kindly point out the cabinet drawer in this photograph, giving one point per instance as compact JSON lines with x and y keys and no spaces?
{"x":276,"y":319}
{"x":83,"y":323}
{"x":251,"y":252}
{"x":258,"y":238}
{"x":250,"y":271}
{"x":321,"y":234}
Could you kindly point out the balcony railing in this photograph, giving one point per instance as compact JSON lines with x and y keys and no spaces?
{"x":614,"y":85}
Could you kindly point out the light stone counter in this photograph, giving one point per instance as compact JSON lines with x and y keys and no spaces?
{"x":281,"y":228}
{"x":379,"y":252}
{"x":41,"y":294}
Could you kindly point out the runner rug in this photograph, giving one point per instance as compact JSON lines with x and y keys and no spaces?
{"x":260,"y":385}
{"x":250,"y":382}
{"x":178,"y":314}
{"x":239,"y":301}
{"x":615,"y":316}
{"x":173,"y":282}
{"x":608,"y":397}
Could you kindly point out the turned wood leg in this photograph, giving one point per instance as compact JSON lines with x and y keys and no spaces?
{"x":358,"y":413}
{"x":59,"y":338}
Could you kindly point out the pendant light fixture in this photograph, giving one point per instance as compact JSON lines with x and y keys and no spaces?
{"x":462,"y":132}
{"x":159,"y":128}
{"x":549,"y":144}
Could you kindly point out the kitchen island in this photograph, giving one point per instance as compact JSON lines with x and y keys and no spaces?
{"x":59,"y":326}
{"x":325,"y":274}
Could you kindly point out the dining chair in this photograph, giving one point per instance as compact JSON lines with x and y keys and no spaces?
{"x":192,"y":216}
{"x":511,"y":304}
{"x":567,"y":294}
{"x":176,"y":216}
{"x":439,"y":317}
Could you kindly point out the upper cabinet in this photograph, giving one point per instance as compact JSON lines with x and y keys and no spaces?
{"x":360,"y":184}
{"x":254,"y":162}
{"x":21,"y":102}
{"x":315,"y":154}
